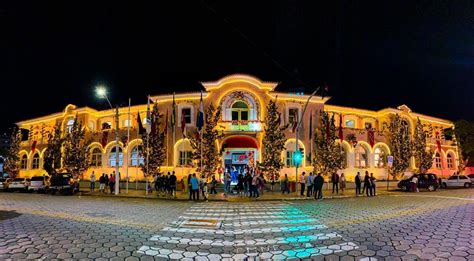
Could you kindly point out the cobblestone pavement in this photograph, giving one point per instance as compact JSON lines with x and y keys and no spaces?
{"x":431,"y":226}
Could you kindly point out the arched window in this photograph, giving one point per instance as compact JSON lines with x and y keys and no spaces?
{"x":112,"y":160}
{"x":183,"y":153}
{"x":438,"y":161}
{"x":92,"y":125}
{"x":240,"y":111}
{"x":361,"y":157}
{"x":69,"y":125}
{"x":24,"y":162}
{"x":36,"y":161}
{"x":96,"y":157}
{"x":405,"y":127}
{"x":449,"y":160}
{"x":135,"y":156}
{"x":380,"y":157}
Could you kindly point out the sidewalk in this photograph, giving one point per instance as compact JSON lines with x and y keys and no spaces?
{"x":267,"y":195}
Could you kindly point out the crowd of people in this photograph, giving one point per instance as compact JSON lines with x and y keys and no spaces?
{"x":106,"y":182}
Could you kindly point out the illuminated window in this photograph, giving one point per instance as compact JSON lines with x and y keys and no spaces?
{"x":91,"y":125}
{"x":449,"y":160}
{"x":69,"y":125}
{"x":186,"y":113}
{"x":350,"y":124}
{"x":96,"y":157}
{"x":185,"y":158}
{"x":380,"y":157}
{"x":136,"y":158}
{"x":438,"y":161}
{"x":240,"y":111}
{"x":361,"y":157}
{"x":112,"y":159}
{"x":292,"y":115}
{"x":24,"y":162}
{"x":36,"y":161}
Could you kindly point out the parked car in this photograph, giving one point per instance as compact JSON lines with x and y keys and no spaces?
{"x":3,"y":184}
{"x":471,"y":176}
{"x":456,"y":181}
{"x":18,"y":184}
{"x":63,"y":183}
{"x":39,"y":184}
{"x":425,"y":181}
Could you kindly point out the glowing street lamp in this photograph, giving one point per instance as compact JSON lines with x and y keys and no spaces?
{"x":101,"y":92}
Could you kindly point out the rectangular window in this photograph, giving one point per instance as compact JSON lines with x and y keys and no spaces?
{"x":350,"y":124}
{"x":289,"y":158}
{"x":186,"y":113}
{"x":185,"y":158}
{"x":235,"y":115}
{"x":292,"y":115}
{"x":450,"y":163}
{"x":244,"y":116}
{"x":438,"y":162}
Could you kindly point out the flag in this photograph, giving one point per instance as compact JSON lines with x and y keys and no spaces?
{"x":173,"y":114}
{"x":148,"y":116}
{"x":33,"y":146}
{"x":438,"y":143}
{"x":371,"y":136}
{"x":200,"y":116}
{"x":141,"y":130}
{"x":105,"y":134}
{"x":341,"y":134}
{"x":311,"y":125}
{"x":183,"y":123}
{"x":154,"y":118}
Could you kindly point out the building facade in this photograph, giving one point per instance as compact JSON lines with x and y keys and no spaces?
{"x":243,"y":100}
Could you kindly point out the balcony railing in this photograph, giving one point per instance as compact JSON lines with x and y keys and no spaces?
{"x":236,"y":126}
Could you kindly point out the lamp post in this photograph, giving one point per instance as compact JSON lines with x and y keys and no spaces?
{"x":297,"y":136}
{"x":102,"y":93}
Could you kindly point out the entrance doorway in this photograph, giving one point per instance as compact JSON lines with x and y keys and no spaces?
{"x":236,"y":161}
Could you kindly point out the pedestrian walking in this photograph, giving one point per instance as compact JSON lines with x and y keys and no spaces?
{"x":318,"y":186}
{"x":414,"y":183}
{"x":102,"y":183}
{"x":335,"y":182}
{"x":342,"y":181}
{"x":309,"y":185}
{"x":112,"y":182}
{"x":194,"y":187}
{"x":358,"y":183}
{"x":302,"y":183}
{"x":284,"y":185}
{"x":372,"y":185}
{"x":366,"y":183}
{"x":92,"y":179}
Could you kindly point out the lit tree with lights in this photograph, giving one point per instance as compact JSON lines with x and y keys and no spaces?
{"x":12,"y":160}
{"x":423,"y":156}
{"x":327,"y":153}
{"x":155,"y":156}
{"x":399,"y":139}
{"x":210,"y":155}
{"x":273,"y":143}
{"x":52,"y":154}
{"x":76,"y":153}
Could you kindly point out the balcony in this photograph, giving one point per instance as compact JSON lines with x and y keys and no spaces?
{"x":241,"y":126}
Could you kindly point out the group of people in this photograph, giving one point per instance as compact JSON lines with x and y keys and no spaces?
{"x":165,"y":185}
{"x":197,"y":186}
{"x":369,"y":184}
{"x":105,"y":181}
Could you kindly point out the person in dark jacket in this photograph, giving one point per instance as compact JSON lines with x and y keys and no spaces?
{"x":213,"y":185}
{"x":172,"y":184}
{"x":318,"y":186}
{"x":358,"y":183}
{"x":367,"y":185}
{"x":335,"y":182}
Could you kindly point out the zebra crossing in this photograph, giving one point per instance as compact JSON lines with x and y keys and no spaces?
{"x":245,"y":231}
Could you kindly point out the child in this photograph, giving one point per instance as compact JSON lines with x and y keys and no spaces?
{"x":205,"y":192}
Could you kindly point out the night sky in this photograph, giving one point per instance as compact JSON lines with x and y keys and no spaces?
{"x":371,"y":54}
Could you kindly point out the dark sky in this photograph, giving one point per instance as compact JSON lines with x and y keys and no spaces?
{"x":372,"y":54}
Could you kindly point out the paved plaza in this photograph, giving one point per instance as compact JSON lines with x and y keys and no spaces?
{"x":398,"y":226}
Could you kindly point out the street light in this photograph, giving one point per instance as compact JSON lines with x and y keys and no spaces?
{"x":101,"y":92}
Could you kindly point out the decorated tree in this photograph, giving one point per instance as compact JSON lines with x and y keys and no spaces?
{"x":423,"y":156}
{"x":463,"y":134}
{"x":52,"y":154}
{"x":12,"y":159}
{"x":327,"y":153}
{"x":400,"y":145}
{"x":154,"y":151}
{"x":210,"y":155}
{"x":273,"y":143}
{"x":76,"y":153}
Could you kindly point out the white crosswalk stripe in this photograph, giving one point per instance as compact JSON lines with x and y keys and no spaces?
{"x":217,"y":231}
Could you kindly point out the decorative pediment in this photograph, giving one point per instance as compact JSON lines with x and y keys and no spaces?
{"x":404,"y":108}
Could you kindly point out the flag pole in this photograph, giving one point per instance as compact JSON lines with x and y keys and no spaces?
{"x":138,"y":163}
{"x":128,"y":141}
{"x":174,"y":129}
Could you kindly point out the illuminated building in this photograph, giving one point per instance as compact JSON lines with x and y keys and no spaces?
{"x":243,"y":100}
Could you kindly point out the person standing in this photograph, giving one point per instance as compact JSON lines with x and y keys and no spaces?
{"x":190,"y":186}
{"x":335,"y":182}
{"x":172,"y":181}
{"x":107,"y":181}
{"x":302,"y":183}
{"x":112,"y":182}
{"x":249,"y":184}
{"x":213,"y":185}
{"x":255,"y":181}
{"x":194,"y":187}
{"x":358,"y":183}
{"x":205,"y":192}
{"x":318,"y":186}
{"x":372,"y":185}
{"x":228,"y":181}
{"x":92,"y":178}
{"x":414,"y":184}
{"x":366,"y":184}
{"x":240,"y":185}
{"x":156,"y":184}
{"x":284,"y":185}
{"x":309,"y":184}
{"x":342,"y":180}
{"x":102,"y":183}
